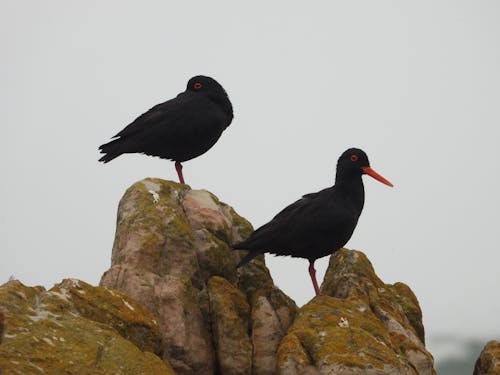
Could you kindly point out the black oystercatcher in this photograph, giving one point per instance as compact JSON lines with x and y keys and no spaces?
{"x":179,"y":129}
{"x":319,"y":223}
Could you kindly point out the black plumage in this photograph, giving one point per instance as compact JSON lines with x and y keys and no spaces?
{"x":179,"y":129}
{"x":319,"y":223}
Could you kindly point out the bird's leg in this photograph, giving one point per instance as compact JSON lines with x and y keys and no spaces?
{"x":312,"y":273}
{"x":178,"y":168}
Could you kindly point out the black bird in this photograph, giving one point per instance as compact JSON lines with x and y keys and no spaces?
{"x":319,"y":223}
{"x":179,"y":129}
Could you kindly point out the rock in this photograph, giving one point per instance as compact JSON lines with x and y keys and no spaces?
{"x":488,"y":362}
{"x":77,"y":328}
{"x":172,"y":254}
{"x":230,"y":314}
{"x":173,"y":292}
{"x":272,"y":314}
{"x":358,"y":326}
{"x":2,"y":325}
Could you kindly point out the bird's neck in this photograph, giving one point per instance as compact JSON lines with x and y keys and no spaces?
{"x":352,"y":188}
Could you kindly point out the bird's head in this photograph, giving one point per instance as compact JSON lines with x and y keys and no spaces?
{"x":354,"y":162}
{"x":213,"y":89}
{"x":205,"y":84}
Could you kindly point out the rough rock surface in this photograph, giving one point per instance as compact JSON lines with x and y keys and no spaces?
{"x":358,"y":326}
{"x":488,"y":362}
{"x":2,"y":319}
{"x":230,"y":313}
{"x":77,"y":328}
{"x":181,"y":299}
{"x":171,"y":253}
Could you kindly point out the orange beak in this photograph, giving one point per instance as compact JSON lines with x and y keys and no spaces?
{"x":376,"y":176}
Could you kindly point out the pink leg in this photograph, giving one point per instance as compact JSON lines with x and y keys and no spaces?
{"x":178,"y":168}
{"x":312,"y":273}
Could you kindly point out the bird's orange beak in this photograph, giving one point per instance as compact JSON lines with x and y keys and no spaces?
{"x":376,"y":176}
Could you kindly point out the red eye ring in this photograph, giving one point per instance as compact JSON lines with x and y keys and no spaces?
{"x":197,"y":86}
{"x":354,"y":157}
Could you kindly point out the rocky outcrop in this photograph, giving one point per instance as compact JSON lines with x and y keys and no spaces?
{"x":173,"y":302}
{"x":488,"y":362}
{"x":172,"y":254}
{"x":77,"y":328}
{"x":358,"y":326}
{"x":2,"y":319}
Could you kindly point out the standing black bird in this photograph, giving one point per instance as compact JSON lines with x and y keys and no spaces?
{"x":319,"y":223}
{"x":179,"y":129}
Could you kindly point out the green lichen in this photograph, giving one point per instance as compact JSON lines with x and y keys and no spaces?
{"x":151,"y":223}
{"x":178,"y":228}
{"x":218,"y":261}
{"x":254,"y":276}
{"x":404,"y":296}
{"x":244,"y":228}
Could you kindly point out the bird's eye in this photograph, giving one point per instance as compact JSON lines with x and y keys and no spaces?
{"x":197,"y":86}
{"x":354,"y":157}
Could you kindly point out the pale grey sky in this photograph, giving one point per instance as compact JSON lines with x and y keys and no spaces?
{"x":415,"y":84}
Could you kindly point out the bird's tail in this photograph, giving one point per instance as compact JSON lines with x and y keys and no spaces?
{"x":247,"y":258}
{"x":111,"y":150}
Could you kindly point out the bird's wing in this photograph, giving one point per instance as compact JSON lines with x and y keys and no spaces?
{"x":168,"y":110}
{"x":302,"y":205}
{"x":295,"y":220}
{"x":313,"y":195}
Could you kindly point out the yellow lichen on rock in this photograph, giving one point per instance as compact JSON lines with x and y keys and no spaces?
{"x":336,"y":331}
{"x":358,"y":325}
{"x":66,"y":330}
{"x":113,"y":308}
{"x":292,"y":357}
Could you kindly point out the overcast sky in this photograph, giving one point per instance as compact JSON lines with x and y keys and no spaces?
{"x":414,"y":84}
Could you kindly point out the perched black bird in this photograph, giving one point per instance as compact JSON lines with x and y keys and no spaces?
{"x":319,"y":223}
{"x":179,"y":129}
